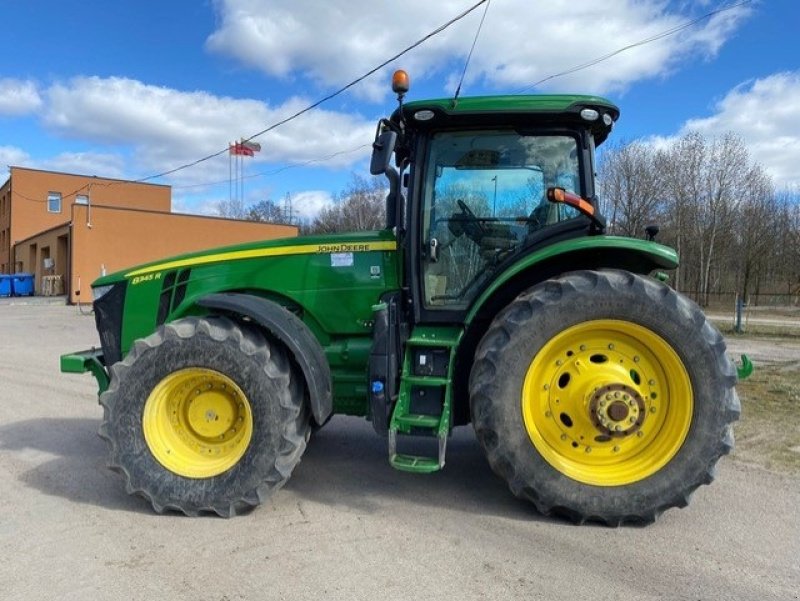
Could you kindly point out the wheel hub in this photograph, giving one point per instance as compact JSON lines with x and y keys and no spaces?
{"x":197,"y":422}
{"x":607,"y":402}
{"x":211,"y":414}
{"x":617,"y":410}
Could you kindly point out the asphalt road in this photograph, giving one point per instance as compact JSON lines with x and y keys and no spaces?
{"x":346,"y":526}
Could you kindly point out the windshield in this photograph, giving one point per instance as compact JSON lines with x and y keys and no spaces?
{"x":484,"y":197}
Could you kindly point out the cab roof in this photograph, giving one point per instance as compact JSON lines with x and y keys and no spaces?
{"x":517,"y":110}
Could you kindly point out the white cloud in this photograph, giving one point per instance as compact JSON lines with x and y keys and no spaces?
{"x":521,"y":42}
{"x":168,"y":127}
{"x":307,"y":205}
{"x":18,"y":97}
{"x":12,"y":156}
{"x":195,"y":206}
{"x":766,"y":113}
{"x":86,"y":163}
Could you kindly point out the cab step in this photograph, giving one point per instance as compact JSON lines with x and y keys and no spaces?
{"x":423,"y":407}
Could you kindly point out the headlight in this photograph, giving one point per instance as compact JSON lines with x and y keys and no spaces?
{"x":100,"y":291}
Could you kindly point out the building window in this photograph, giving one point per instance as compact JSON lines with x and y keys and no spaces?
{"x":54,"y":202}
{"x":81,"y":199}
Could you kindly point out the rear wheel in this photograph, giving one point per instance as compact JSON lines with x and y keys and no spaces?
{"x":205,"y":416}
{"x":603,"y":396}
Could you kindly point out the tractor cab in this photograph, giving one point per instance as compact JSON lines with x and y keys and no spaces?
{"x":476,"y":186}
{"x":481,"y":177}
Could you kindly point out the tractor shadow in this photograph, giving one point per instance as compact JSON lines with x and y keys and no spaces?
{"x":346,"y":464}
{"x":69,"y":461}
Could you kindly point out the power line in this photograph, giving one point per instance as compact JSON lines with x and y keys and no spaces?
{"x":71,"y":194}
{"x":659,"y":36}
{"x":310,"y":107}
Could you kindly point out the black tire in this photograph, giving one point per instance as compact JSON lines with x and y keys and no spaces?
{"x":261,"y":369}
{"x":505,"y":357}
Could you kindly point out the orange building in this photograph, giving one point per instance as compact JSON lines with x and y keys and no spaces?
{"x":78,"y":227}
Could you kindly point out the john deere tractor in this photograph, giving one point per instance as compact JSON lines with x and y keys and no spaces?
{"x":492,"y":296}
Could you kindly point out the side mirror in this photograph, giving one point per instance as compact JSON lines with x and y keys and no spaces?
{"x":382,"y":150}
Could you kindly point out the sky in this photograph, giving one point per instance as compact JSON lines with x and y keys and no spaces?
{"x":132,"y":89}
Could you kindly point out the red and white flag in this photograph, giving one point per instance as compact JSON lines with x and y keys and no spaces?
{"x":238,"y":148}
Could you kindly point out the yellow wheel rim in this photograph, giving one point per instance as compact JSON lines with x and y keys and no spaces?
{"x":197,"y":423}
{"x":607,"y":402}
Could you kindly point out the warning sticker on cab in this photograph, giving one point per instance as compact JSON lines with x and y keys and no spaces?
{"x":341,"y":259}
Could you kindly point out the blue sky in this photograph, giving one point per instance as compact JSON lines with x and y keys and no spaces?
{"x":130,"y":89}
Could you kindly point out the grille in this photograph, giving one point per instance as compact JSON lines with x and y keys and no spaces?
{"x":108,"y":317}
{"x":172,"y":294}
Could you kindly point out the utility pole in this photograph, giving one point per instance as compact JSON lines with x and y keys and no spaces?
{"x":494,"y":204}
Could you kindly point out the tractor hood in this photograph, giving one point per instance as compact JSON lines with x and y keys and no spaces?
{"x":332,"y":280}
{"x":332,"y":243}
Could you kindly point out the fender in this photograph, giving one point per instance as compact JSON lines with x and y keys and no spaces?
{"x":303,"y":346}
{"x":593,"y":252}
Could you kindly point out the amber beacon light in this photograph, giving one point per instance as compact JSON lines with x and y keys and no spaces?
{"x":400,"y":82}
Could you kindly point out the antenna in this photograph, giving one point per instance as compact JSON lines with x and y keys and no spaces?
{"x":469,"y":56}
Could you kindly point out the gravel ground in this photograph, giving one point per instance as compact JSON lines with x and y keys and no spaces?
{"x":346,"y":526}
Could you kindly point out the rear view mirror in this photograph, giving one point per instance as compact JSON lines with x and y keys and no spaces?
{"x":382,"y":150}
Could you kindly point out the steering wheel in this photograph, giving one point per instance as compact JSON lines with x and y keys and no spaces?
{"x":470,"y":225}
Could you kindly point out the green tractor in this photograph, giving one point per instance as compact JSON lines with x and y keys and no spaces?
{"x":492,"y":296}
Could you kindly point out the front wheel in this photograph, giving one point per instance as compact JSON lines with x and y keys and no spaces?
{"x":205,"y":415}
{"x":603,"y":396}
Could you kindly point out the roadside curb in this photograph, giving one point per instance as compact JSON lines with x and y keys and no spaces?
{"x":32,"y":300}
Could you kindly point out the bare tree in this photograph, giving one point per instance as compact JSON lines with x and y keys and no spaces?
{"x":715,"y":206}
{"x":266,"y":210}
{"x":631,"y":183}
{"x":360,"y":207}
{"x":232,"y":209}
{"x":757,"y":222}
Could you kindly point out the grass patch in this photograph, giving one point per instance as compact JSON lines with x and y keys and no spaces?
{"x":768,"y":433}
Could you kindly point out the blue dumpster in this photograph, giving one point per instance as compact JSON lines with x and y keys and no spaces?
{"x":23,"y":284}
{"x":5,"y":284}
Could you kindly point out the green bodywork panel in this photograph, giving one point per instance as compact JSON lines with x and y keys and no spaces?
{"x":331,"y":282}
